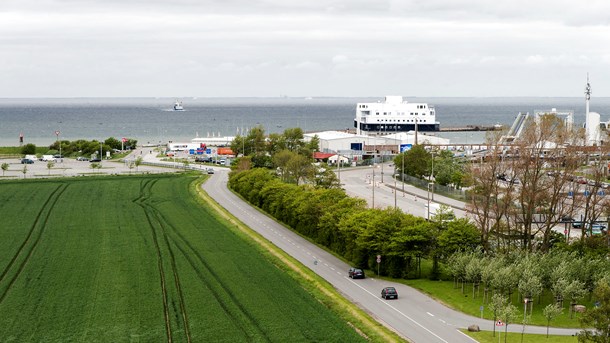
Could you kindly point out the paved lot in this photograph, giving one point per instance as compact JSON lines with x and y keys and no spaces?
{"x":72,"y":167}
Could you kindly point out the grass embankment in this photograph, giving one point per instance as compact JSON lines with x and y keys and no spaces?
{"x":488,"y":337}
{"x":445,"y":292}
{"x":133,"y":258}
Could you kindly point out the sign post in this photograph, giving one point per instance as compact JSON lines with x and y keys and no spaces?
{"x":481,"y":309}
{"x":499,"y":323}
{"x":378,"y":263}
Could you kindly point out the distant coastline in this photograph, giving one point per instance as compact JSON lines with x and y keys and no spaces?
{"x":146,"y":120}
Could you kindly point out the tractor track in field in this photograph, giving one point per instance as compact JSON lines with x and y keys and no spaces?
{"x":154,"y":221}
{"x":40,"y":222}
{"x":188,"y":253}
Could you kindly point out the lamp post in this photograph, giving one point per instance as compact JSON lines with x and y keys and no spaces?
{"x":432,"y":175}
{"x":430,"y":184}
{"x":382,"y":160}
{"x":395,"y":189}
{"x":339,"y":168}
{"x":57,"y":132}
{"x":373,"y":184}
{"x":402,"y":172}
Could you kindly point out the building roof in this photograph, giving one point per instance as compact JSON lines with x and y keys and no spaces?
{"x":322,"y":155}
{"x":330,"y":135}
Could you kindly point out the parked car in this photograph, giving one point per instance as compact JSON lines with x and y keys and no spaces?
{"x":595,"y":229}
{"x":389,"y":293}
{"x":355,"y":273}
{"x":26,"y":161}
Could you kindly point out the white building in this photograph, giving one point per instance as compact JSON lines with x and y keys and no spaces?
{"x":394,"y":115}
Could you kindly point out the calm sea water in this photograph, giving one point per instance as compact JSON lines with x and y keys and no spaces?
{"x":150,"y":120}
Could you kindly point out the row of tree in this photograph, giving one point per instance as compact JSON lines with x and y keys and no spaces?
{"x":82,"y":147}
{"x":346,"y":226}
{"x":523,"y":190}
{"x":261,"y":148}
{"x":566,"y":275}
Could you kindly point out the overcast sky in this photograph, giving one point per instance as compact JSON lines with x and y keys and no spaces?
{"x":179,"y":48}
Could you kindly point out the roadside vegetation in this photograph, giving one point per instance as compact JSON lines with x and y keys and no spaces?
{"x":137,"y":258}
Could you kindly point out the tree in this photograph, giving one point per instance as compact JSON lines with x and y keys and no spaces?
{"x":4,"y":167}
{"x":416,"y":161}
{"x":550,"y":312}
{"x":137,"y":162}
{"x":496,"y":306}
{"x":298,"y":168}
{"x":28,"y":149}
{"x":130,"y":165}
{"x":113,"y":143}
{"x":598,"y":317}
{"x":50,"y":165}
{"x":519,"y":194}
{"x":280,"y":161}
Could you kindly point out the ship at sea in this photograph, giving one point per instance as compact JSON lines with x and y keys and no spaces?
{"x":394,"y":115}
{"x":178,"y":106}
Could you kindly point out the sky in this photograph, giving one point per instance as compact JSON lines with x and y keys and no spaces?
{"x":270,"y":48}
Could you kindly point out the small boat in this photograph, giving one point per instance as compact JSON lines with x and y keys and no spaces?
{"x":178,"y":106}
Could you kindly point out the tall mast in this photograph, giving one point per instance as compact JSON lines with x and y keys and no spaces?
{"x":589,"y":130}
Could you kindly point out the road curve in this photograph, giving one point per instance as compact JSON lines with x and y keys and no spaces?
{"x":414,"y":315}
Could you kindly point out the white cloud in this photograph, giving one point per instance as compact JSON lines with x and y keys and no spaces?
{"x":437,"y":42}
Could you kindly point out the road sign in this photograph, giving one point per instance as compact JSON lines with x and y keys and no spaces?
{"x":57,"y":133}
{"x":499,"y":323}
{"x":378,"y":258}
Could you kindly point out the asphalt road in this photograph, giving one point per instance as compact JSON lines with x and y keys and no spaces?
{"x":414,"y":315}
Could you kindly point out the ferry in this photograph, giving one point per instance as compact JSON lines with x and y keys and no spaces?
{"x":178,"y":106}
{"x":392,"y":115}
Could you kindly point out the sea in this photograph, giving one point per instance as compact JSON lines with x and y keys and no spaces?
{"x":42,"y":121}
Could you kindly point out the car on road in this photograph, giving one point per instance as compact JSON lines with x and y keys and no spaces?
{"x":210,"y":170}
{"x":389,"y":293}
{"x":356,"y":273}
{"x":26,"y":161}
{"x":95,"y":160}
{"x":81,"y":158}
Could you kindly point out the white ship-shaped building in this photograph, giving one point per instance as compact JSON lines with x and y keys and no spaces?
{"x":394,"y":115}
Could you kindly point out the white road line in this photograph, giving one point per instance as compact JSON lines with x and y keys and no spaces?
{"x":430,"y":314}
{"x":474,"y":340}
{"x":397,"y":310}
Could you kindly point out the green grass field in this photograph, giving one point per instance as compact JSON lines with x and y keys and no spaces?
{"x":137,"y":258}
{"x":445,"y":292}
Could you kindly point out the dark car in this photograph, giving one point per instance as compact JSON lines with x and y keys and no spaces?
{"x":26,"y":161}
{"x":389,"y":293}
{"x":356,"y":273}
{"x":95,"y":160}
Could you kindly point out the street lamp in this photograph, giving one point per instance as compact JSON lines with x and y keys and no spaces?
{"x":57,"y":132}
{"x":402,"y":172}
{"x":430,"y":185}
{"x":373,"y":184}
{"x":395,"y":189}
{"x":432,"y":174}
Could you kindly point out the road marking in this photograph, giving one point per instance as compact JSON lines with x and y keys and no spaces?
{"x":430,"y":314}
{"x":474,"y":340}
{"x":397,"y":310}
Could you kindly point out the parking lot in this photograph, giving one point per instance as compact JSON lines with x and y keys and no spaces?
{"x":72,"y":167}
